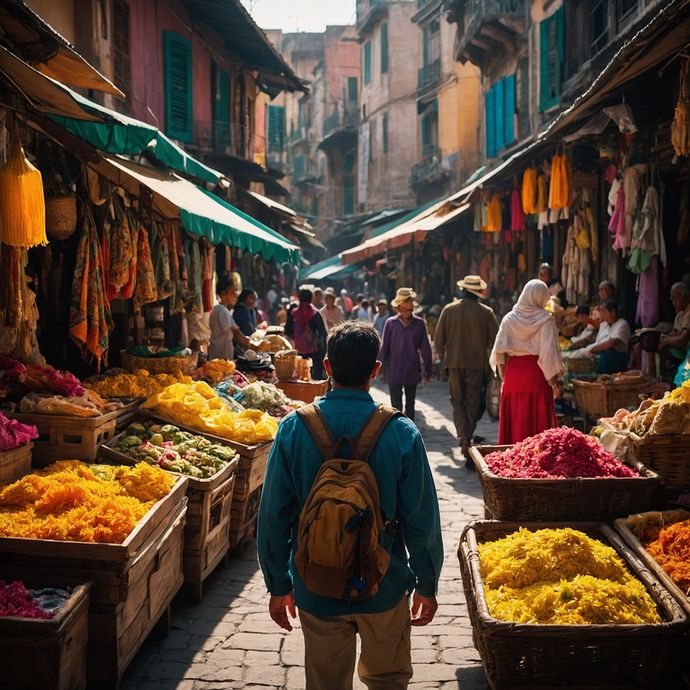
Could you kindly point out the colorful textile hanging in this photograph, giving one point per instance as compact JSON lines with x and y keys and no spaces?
{"x":529,"y":191}
{"x":561,"y":183}
{"x":495,"y":209}
{"x":121,"y":251}
{"x":90,"y":320}
{"x":542,"y":195}
{"x":146,"y":291}
{"x":517,"y":213}
{"x":23,"y":208}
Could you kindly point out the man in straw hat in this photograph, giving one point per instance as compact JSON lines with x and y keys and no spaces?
{"x":464,"y":336}
{"x":404,"y":337}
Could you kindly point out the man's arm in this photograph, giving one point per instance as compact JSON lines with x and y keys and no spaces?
{"x":425,"y":349}
{"x":675,"y":338}
{"x":421,"y":524}
{"x":384,"y":354}
{"x":440,"y":335}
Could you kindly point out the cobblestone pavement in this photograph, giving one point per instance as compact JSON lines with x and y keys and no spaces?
{"x":229,"y":641}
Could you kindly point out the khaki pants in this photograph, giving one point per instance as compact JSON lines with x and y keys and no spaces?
{"x":330,"y":647}
{"x":465,"y":387}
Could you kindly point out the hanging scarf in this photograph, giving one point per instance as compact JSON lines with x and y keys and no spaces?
{"x":495,"y":209}
{"x":517,"y":213}
{"x":529,"y":191}
{"x":90,"y":320}
{"x":146,"y":291}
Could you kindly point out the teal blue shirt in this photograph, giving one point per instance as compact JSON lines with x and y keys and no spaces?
{"x":407,"y":493}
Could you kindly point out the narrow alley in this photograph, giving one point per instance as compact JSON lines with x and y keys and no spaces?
{"x":229,"y":641}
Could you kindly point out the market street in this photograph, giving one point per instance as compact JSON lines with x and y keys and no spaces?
{"x":229,"y":641}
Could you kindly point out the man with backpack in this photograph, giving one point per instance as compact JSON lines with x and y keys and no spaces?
{"x":349,"y":525}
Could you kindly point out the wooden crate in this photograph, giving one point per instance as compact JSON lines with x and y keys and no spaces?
{"x":15,"y":463}
{"x":306,"y":391}
{"x":47,"y":654}
{"x":243,"y":516}
{"x":133,"y":582}
{"x":68,"y":438}
{"x":251,"y":472}
{"x":126,"y":413}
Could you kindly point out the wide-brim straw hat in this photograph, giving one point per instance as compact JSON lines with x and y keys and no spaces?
{"x":473,"y":284}
{"x":404,"y":294}
{"x":329,"y":292}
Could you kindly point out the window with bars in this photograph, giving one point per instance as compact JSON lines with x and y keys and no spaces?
{"x":276,"y":128}
{"x":122,"y":68}
{"x":625,"y":10}
{"x":432,"y":42}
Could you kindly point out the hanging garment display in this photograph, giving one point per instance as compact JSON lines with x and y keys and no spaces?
{"x":195,"y":272}
{"x":529,"y":191}
{"x":648,"y":239}
{"x":576,"y":269}
{"x":495,"y":220}
{"x":680,"y":129}
{"x":146,"y":291}
{"x":648,"y":295}
{"x":90,"y":320}
{"x":561,"y":192}
{"x":632,"y":184}
{"x":121,"y":251}
{"x":477,"y":223}
{"x":209,"y":262}
{"x":617,"y":222}
{"x":517,"y":213}
{"x":23,"y":209}
{"x":161,"y":253}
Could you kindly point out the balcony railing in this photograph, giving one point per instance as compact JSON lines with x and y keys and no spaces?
{"x":367,"y":11}
{"x":428,"y":168}
{"x":345,"y":114}
{"x":299,"y":134}
{"x":229,"y":137}
{"x":479,"y":12}
{"x":429,"y":74}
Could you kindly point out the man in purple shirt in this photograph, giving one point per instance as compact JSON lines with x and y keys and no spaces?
{"x":404,"y":337}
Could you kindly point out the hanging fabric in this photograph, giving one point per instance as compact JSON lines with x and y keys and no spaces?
{"x":146,"y":291}
{"x":561,"y":183}
{"x":529,"y":191}
{"x":495,"y":208}
{"x":617,"y":223}
{"x":90,"y":320}
{"x":23,"y":209}
{"x":517,"y":213}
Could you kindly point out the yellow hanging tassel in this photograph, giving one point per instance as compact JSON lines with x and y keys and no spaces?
{"x":22,"y":206}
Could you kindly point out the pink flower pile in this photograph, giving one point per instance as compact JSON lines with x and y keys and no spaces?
{"x":562,"y":453}
{"x":15,"y":600}
{"x":14,"y":434}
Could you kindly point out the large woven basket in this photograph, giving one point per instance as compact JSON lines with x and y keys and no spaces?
{"x":61,"y":215}
{"x":580,"y":365}
{"x":629,"y":529}
{"x":597,"y":399}
{"x":160,"y":365}
{"x":522,"y":656}
{"x":666,"y":454}
{"x":586,"y":498}
{"x":285,"y":362}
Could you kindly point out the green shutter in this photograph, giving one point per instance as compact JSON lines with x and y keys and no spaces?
{"x":509,"y":110}
{"x":221,"y":114}
{"x":178,"y":87}
{"x":276,"y":127}
{"x":424,"y":133}
{"x":490,"y":124}
{"x":384,"y":48}
{"x":523,"y":99}
{"x":367,"y":62}
{"x":352,"y":89}
{"x":385,"y":133}
{"x":498,"y":115}
{"x":552,"y":59}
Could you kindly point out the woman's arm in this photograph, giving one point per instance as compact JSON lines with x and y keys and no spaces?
{"x":606,"y":345}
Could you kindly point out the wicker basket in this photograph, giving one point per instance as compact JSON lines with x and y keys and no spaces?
{"x":285,"y":362}
{"x":667,"y":454}
{"x":629,"y":529}
{"x":518,"y":655}
{"x":580,"y":365}
{"x":61,"y":216}
{"x":586,"y":498}
{"x":160,"y":365}
{"x":597,"y":399}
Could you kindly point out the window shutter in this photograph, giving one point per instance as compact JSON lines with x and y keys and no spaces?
{"x":490,"y":124}
{"x":552,"y":59}
{"x":352,"y":89}
{"x":384,"y":48}
{"x":498,"y":115}
{"x":509,"y":110}
{"x":367,"y":62}
{"x":424,"y":132}
{"x":178,"y":87}
{"x":276,"y":127}
{"x":523,"y":99}
{"x":385,"y":133}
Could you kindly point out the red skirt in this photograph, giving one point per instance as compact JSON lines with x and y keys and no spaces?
{"x":527,"y":406}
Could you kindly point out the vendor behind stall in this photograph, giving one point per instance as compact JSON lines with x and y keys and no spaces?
{"x":244,"y":312}
{"x":224,"y":330}
{"x":612,"y":341}
{"x":674,"y":344}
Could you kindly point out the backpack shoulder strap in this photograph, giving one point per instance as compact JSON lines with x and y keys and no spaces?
{"x":372,"y":429}
{"x":318,"y":428}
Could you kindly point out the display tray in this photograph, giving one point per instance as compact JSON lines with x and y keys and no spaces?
{"x":109,"y":453}
{"x":588,"y":498}
{"x":37,"y":653}
{"x":61,"y":437}
{"x":15,"y":463}
{"x":627,"y":528}
{"x":522,"y":656}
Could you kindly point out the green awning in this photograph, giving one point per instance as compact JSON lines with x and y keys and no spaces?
{"x":323,"y":269}
{"x":201,"y":213}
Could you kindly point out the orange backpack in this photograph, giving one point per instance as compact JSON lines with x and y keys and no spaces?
{"x":339,"y":554}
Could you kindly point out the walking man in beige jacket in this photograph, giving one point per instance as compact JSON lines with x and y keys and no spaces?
{"x":464,"y":337}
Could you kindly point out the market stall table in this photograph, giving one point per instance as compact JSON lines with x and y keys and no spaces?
{"x":15,"y":463}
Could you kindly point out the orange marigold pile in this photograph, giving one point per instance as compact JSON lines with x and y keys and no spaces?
{"x":71,"y":501}
{"x":669,"y":546}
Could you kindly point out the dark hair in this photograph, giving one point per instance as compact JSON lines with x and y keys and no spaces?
{"x":365,"y":301}
{"x":611,"y":305}
{"x":359,"y":297}
{"x":352,"y":348}
{"x":224,"y":284}
{"x":467,"y":294}
{"x":305,"y":295}
{"x":247,"y":292}
{"x":546,"y":267}
{"x":582,"y":309}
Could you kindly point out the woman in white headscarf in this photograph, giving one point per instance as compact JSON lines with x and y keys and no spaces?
{"x":528,"y":358}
